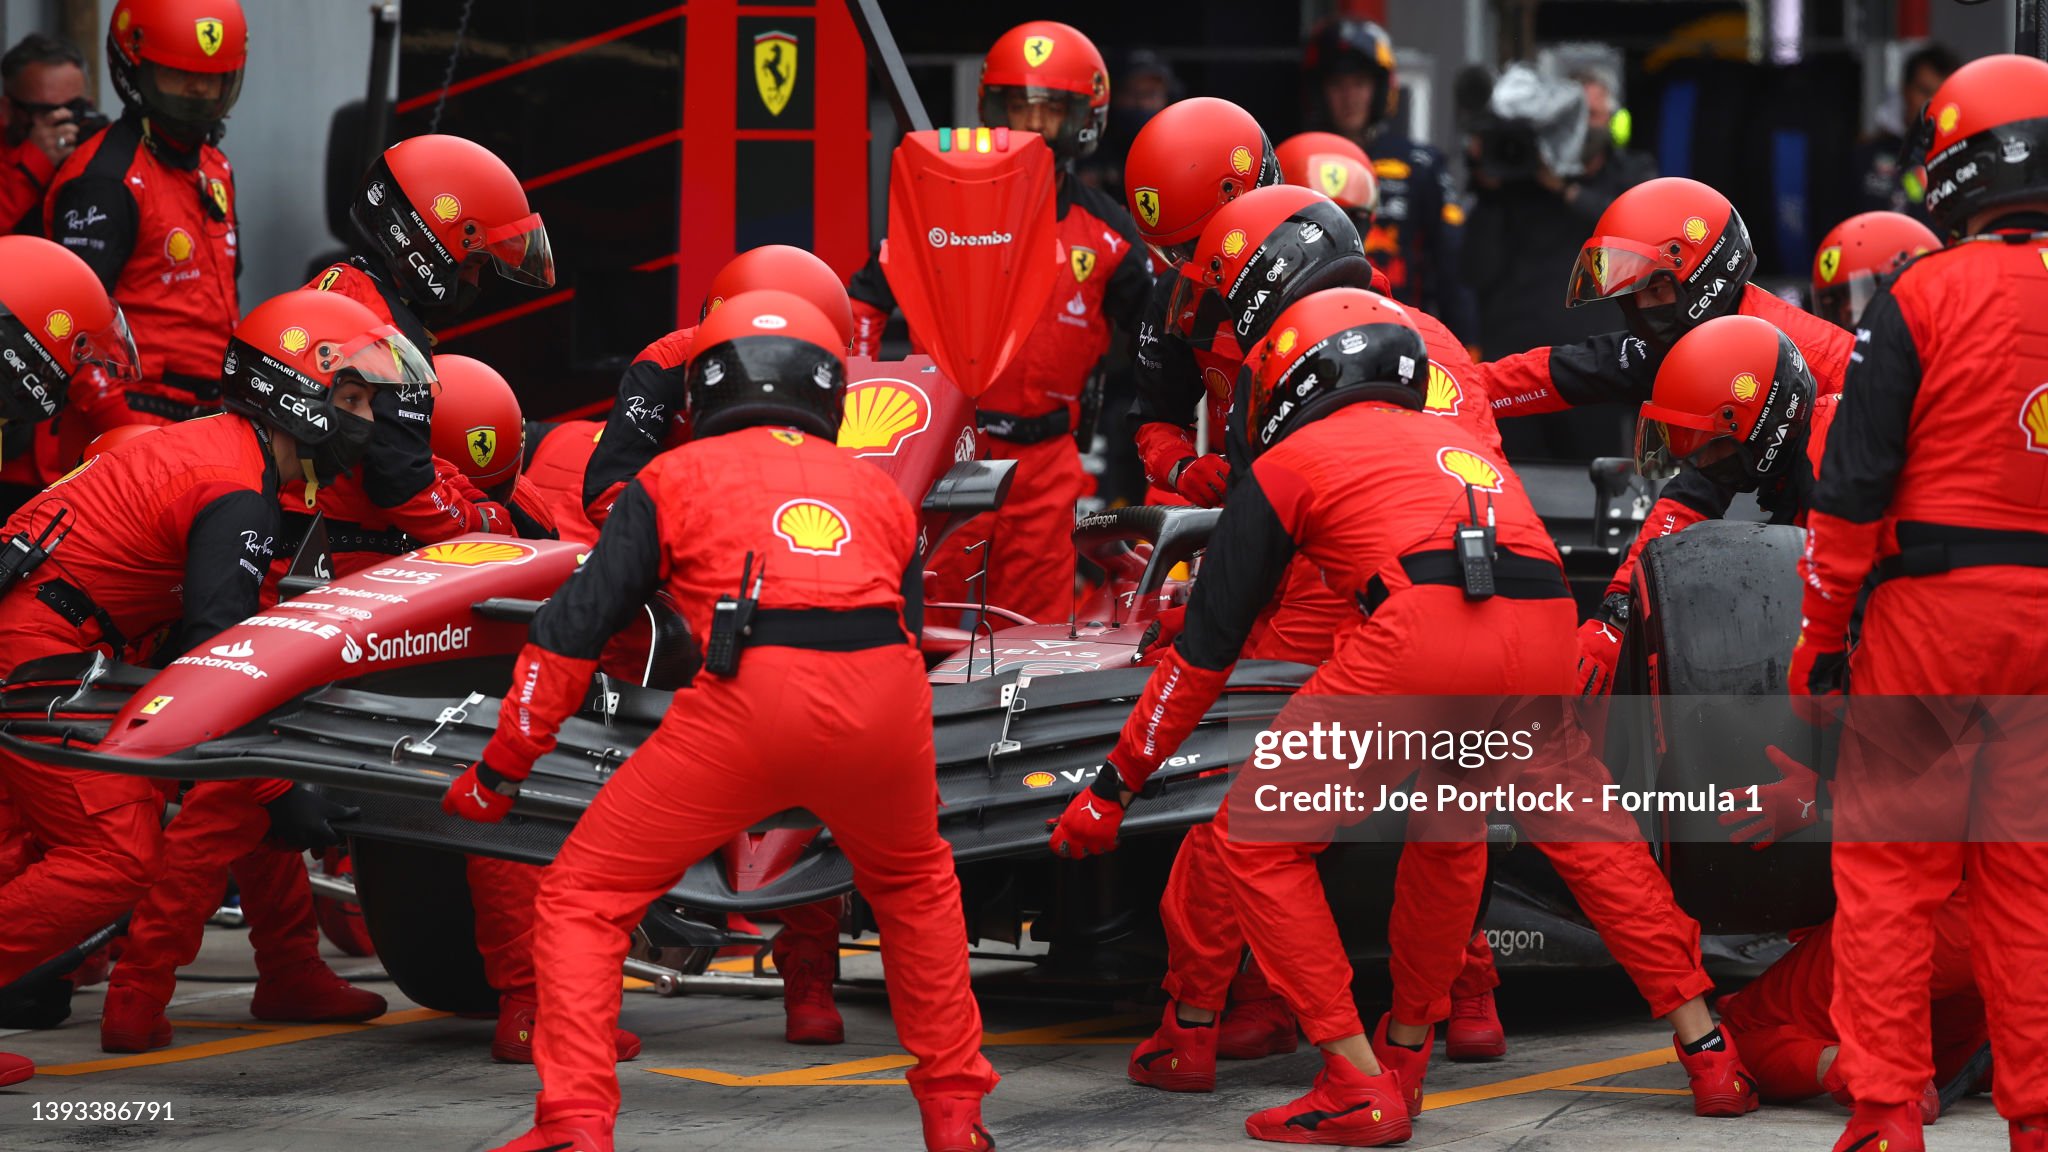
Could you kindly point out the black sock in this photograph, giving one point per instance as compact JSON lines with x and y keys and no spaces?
{"x":1711,"y":1042}
{"x":1393,"y":1043}
{"x":1187,"y":1023}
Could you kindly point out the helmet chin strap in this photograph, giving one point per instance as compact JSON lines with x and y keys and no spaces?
{"x":312,"y":480}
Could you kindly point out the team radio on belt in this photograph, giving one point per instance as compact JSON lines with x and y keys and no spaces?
{"x":1255,"y":281}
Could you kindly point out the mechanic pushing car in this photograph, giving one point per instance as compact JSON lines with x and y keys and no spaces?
{"x":651,"y":414}
{"x":1347,"y":367}
{"x":1043,"y":77}
{"x":1935,"y":489}
{"x":1856,"y":257}
{"x":149,"y":203}
{"x":168,"y":531}
{"x":798,"y":564}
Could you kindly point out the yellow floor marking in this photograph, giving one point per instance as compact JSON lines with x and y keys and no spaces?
{"x":1077,"y":1032}
{"x":1561,"y":1078}
{"x":745,"y":964}
{"x":290,"y":1034}
{"x":230,"y":1025}
{"x":1623,"y":1090}
{"x":634,"y":983}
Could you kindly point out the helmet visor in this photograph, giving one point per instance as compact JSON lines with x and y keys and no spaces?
{"x":1666,"y":436}
{"x":1063,"y":119}
{"x":382,"y":357}
{"x":1842,"y":303}
{"x":1187,"y":304}
{"x":111,"y":349}
{"x":1611,"y":266}
{"x":521,"y":253}
{"x":193,"y":99}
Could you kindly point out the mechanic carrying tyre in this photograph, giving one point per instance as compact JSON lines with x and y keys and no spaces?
{"x":1936,"y":485}
{"x":100,"y":557}
{"x":1381,"y":525}
{"x":799,"y":565}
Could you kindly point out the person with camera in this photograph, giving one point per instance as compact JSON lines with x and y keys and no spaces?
{"x":44,"y":117}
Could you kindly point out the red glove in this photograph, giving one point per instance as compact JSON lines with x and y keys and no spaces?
{"x":1161,"y":633}
{"x":482,"y":794}
{"x":1818,"y":680}
{"x":1775,"y":811}
{"x":1599,"y":652}
{"x":1089,"y":825}
{"x":1202,"y":479}
{"x":868,"y":323}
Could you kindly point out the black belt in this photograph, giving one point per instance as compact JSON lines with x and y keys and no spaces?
{"x":1024,"y":429}
{"x":826,"y":630}
{"x":71,"y":602}
{"x":346,"y":536}
{"x":154,"y":405}
{"x":1515,"y":576}
{"x":1931,"y":549}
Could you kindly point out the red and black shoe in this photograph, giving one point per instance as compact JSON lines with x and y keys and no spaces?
{"x":1346,"y":1107}
{"x":513,"y":1042}
{"x":1883,"y":1128}
{"x":564,"y":1131}
{"x":1474,"y":1031}
{"x":1408,"y":1065}
{"x":952,"y":1123}
{"x":131,"y":1022}
{"x":1721,"y":1086}
{"x":1176,"y":1058}
{"x":14,"y":1069}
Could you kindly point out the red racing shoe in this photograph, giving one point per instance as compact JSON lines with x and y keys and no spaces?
{"x":1721,"y":1086}
{"x":1883,"y":1128}
{"x":14,"y":1069}
{"x":953,"y":1124}
{"x":1407,"y":1065}
{"x":565,"y":1132}
{"x":310,"y":993}
{"x":1345,"y":1107}
{"x":1474,"y":1031}
{"x":513,"y":1043}
{"x":808,"y":966}
{"x":2029,"y":1135}
{"x":132,"y":1022}
{"x":1258,"y":1022}
{"x":1930,"y":1096}
{"x":1176,"y":1059}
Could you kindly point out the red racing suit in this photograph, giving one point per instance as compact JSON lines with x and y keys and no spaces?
{"x":1781,"y":1023}
{"x":24,"y":175}
{"x":556,"y":466}
{"x":1029,"y":414}
{"x":174,"y":528}
{"x":652,"y":415}
{"x":1937,"y":484}
{"x":157,"y":223}
{"x":1375,"y":524}
{"x":829,"y":710}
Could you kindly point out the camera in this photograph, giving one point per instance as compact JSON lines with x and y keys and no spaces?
{"x":1524,"y":124}
{"x":88,"y":117}
{"x":1507,"y":150}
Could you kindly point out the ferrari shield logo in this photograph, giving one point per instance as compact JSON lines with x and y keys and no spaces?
{"x":210,"y":33}
{"x":1332,"y":176}
{"x":1037,"y":49}
{"x":1599,"y":263}
{"x":1830,"y":263}
{"x":483,"y":445}
{"x":327,"y":279}
{"x":1083,"y":261}
{"x":1148,"y":206}
{"x":220,"y":195}
{"x":775,"y":69}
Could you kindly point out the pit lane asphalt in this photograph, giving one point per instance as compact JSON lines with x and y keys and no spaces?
{"x":1584,"y":1072}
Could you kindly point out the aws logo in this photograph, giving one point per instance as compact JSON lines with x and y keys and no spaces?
{"x":475,"y":553}
{"x":881,"y":415}
{"x":812,"y":526}
{"x":1469,"y":467}
{"x":1442,"y":397}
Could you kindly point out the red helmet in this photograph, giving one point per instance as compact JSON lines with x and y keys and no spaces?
{"x":1674,"y":228}
{"x":1044,"y":61}
{"x":767,"y":357}
{"x":113,"y":438}
{"x":1337,"y":168}
{"x":1859,"y":251}
{"x":55,"y":319}
{"x":1985,"y":138}
{"x":1732,"y":399}
{"x":477,"y":424}
{"x":205,"y":36}
{"x":438,"y":208}
{"x":1263,"y":251}
{"x":1194,"y":155}
{"x":291,"y":351}
{"x":788,"y":269}
{"x":1330,"y":349}
{"x":1345,"y":44}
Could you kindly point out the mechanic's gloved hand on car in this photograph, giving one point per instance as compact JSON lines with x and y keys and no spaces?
{"x":1599,"y":652}
{"x":482,"y":794}
{"x":1160,"y":634}
{"x":399,"y":463}
{"x":302,"y":820}
{"x":1779,"y":809}
{"x":1202,"y":479}
{"x":1090,"y":824}
{"x":1818,"y":679}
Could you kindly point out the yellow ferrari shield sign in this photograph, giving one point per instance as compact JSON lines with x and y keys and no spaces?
{"x":1083,"y":261}
{"x":1830,"y":263}
{"x":483,"y":445}
{"x":1148,"y":206}
{"x":210,"y":33}
{"x":775,"y":69}
{"x":1037,"y":49}
{"x":1333,"y":177}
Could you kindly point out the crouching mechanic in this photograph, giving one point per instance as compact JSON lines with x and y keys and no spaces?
{"x":168,"y":531}
{"x":1381,"y":525}
{"x":1048,"y":78}
{"x":763,"y":505}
